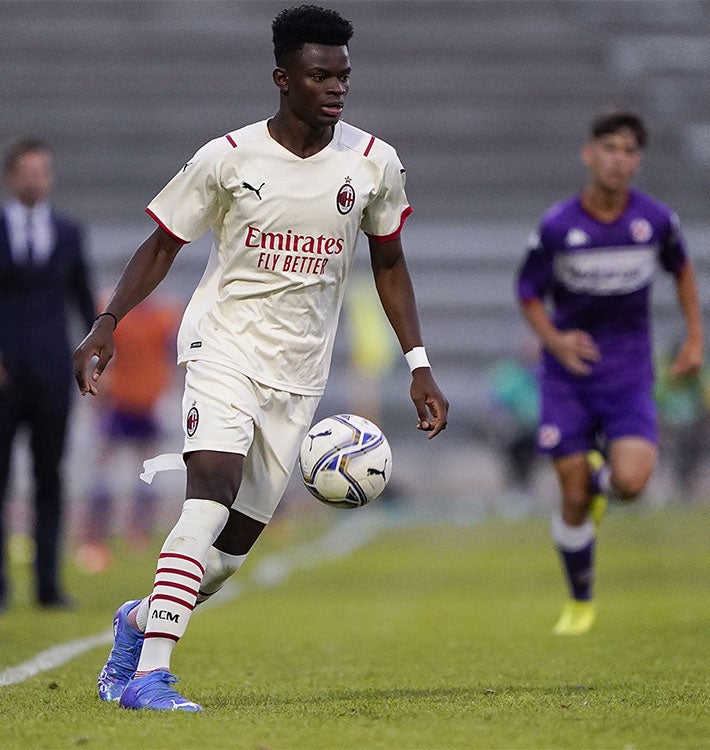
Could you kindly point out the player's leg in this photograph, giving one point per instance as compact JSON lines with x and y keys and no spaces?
{"x":283,"y":420}
{"x":186,"y":551}
{"x":599,"y":485}
{"x":212,"y":483}
{"x":631,"y":462}
{"x":215,"y":444}
{"x":629,"y":422}
{"x":282,"y":424}
{"x":567,"y":433}
{"x":264,"y":475}
{"x":574,"y":536}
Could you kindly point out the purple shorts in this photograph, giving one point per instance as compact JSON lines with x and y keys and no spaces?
{"x":122,"y":425}
{"x":576,"y":413}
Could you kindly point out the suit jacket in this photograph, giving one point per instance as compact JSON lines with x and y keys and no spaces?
{"x":34,"y":304}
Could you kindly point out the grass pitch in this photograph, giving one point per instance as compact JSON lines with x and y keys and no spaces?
{"x":425,"y":638}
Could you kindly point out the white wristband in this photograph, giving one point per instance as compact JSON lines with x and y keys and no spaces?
{"x":417,"y":358}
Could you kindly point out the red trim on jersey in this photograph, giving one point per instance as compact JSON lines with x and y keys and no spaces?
{"x":165,"y":229}
{"x":387,"y":237}
{"x":182,"y":557}
{"x":231,"y":140}
{"x":369,"y":146}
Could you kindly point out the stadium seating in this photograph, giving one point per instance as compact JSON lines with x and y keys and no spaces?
{"x":487,"y":103}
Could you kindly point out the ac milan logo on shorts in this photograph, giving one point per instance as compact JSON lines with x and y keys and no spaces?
{"x":345,"y":199}
{"x":548,"y":436}
{"x":193,"y":419}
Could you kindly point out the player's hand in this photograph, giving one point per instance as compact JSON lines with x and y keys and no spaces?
{"x":575,"y":350}
{"x":97,"y":344}
{"x":432,"y":406}
{"x":689,"y":361}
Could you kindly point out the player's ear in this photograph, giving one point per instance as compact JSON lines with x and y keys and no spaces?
{"x":586,"y":153}
{"x":280,"y":77}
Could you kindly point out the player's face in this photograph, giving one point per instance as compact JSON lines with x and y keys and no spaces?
{"x":613,"y":160}
{"x":31,"y":177}
{"x":315,"y":82}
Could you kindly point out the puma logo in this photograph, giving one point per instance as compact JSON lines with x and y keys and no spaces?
{"x":253,"y":189}
{"x":184,"y":704}
{"x":317,"y":435}
{"x":375,"y":472}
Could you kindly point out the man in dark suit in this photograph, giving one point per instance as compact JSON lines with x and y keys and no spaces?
{"x":42,"y":271}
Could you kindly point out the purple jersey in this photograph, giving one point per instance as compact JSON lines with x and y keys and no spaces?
{"x":598,"y":276}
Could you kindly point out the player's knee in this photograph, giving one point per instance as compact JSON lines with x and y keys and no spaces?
{"x":628,"y":486}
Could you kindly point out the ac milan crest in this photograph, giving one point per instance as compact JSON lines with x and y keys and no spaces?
{"x":345,"y":200}
{"x":193,"y":419}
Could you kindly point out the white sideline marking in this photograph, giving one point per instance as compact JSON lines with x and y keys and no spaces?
{"x":339,"y":541}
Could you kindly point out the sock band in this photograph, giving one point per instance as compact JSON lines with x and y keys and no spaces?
{"x":571,"y":538}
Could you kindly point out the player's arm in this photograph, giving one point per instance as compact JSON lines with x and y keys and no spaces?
{"x":690,"y":357}
{"x":574,"y":349}
{"x":394,"y":287}
{"x":147,"y":267}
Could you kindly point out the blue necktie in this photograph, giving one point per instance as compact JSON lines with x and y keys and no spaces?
{"x":29,"y":242}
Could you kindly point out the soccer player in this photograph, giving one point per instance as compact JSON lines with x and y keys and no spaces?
{"x":285,"y":199}
{"x":593,"y":259}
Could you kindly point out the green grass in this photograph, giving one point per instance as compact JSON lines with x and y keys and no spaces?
{"x":427,"y":638}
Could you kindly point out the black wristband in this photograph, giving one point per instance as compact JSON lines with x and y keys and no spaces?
{"x":110,"y":314}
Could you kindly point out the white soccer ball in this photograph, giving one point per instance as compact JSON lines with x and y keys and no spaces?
{"x":345,"y":461}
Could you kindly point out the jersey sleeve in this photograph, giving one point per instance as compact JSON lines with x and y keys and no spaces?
{"x":386,"y":213}
{"x":189,"y":204}
{"x":536,"y":271}
{"x":673,"y":251}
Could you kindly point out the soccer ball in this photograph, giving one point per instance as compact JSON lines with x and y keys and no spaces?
{"x":345,"y":461}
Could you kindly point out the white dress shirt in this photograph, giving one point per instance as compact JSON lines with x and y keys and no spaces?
{"x":33,"y":223}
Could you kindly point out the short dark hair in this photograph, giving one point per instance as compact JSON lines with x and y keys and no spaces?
{"x":308,"y":24}
{"x":620,"y":119}
{"x":19,"y":147}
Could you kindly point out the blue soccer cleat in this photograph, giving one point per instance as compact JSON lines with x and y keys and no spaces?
{"x":153,"y":691}
{"x":123,"y":659}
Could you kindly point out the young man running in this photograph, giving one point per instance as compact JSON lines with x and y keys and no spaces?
{"x":284,"y":199}
{"x":594,"y":258}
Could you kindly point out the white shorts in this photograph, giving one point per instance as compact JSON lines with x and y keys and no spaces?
{"x":224,"y":410}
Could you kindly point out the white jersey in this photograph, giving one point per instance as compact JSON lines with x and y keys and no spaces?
{"x":284,"y":234}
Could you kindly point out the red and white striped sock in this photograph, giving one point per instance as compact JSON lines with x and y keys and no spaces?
{"x":181,"y":566}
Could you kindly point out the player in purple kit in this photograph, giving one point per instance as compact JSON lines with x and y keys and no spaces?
{"x":593,"y":259}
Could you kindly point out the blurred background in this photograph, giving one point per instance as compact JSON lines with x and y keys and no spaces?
{"x":487,"y":104}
